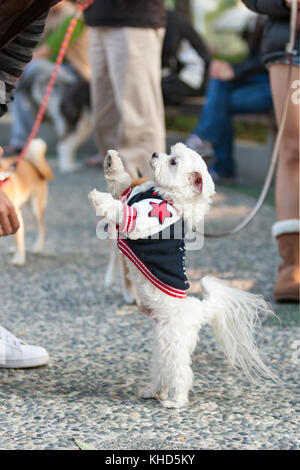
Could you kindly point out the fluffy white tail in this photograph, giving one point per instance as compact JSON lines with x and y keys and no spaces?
{"x":234,"y":316}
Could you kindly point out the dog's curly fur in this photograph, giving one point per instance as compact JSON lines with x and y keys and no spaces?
{"x":182,"y":178}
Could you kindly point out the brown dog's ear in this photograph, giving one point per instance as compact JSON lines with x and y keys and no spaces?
{"x":197,"y":181}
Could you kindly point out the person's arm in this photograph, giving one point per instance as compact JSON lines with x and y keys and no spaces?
{"x":18,"y":15}
{"x":274,"y":8}
{"x":20,"y":54}
{"x":252,"y":65}
{"x":221,"y":70}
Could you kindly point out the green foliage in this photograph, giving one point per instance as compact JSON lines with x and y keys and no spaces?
{"x":224,"y":4}
{"x":225,"y":45}
{"x":181,"y":123}
{"x":170,"y":3}
{"x":251,"y":132}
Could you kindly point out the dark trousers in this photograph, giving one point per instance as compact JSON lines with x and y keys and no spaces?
{"x":223,"y":101}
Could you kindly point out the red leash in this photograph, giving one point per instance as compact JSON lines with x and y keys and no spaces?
{"x":4,"y":176}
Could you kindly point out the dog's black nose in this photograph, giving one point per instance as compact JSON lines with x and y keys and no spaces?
{"x":155,"y":155}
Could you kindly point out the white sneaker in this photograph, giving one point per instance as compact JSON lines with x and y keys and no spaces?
{"x":16,"y":354}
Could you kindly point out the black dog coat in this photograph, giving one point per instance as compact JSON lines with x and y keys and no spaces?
{"x":152,"y":237}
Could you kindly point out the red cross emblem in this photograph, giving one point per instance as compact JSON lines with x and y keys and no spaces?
{"x":160,"y":210}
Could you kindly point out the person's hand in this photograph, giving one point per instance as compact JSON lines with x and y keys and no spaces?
{"x":289,"y":3}
{"x":221,"y":70}
{"x":9,"y":222}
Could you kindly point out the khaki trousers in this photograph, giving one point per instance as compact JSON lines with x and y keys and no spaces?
{"x":127,"y":102}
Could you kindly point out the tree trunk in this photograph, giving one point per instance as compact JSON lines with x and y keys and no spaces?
{"x":184,"y":7}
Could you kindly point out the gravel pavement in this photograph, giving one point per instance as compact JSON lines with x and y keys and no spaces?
{"x":100,"y":348}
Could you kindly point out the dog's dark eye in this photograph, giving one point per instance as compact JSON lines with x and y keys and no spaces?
{"x":173,"y":162}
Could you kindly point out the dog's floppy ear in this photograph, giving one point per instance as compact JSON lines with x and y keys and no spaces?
{"x":203,"y":183}
{"x":197,"y":181}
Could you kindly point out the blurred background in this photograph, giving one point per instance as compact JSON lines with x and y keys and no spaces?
{"x":222,"y":26}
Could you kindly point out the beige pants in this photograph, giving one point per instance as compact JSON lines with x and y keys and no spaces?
{"x":126,"y":93}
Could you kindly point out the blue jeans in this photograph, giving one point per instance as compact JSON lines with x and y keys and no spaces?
{"x":223,"y":100}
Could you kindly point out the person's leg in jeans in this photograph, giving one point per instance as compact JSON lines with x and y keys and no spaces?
{"x":251,"y":96}
{"x":224,"y":100}
{"x":215,"y":110}
{"x":216,"y":125}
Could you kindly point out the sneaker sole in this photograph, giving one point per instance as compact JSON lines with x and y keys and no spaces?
{"x":26,"y":364}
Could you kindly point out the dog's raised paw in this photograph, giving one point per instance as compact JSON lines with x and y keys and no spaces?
{"x":102,"y":202}
{"x":113,"y":163}
{"x":94,"y":198}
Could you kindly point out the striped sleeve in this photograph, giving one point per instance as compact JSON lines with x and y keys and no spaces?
{"x":129,"y":219}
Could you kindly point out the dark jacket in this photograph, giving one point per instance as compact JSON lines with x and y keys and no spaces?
{"x":179,"y":28}
{"x":17,"y":15}
{"x":253,"y":64}
{"x":132,"y":13}
{"x":277,"y":29}
{"x":178,"y":31}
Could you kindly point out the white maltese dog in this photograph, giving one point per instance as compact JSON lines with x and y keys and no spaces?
{"x":150,"y":221}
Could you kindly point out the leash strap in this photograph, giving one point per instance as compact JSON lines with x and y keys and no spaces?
{"x":275,"y":152}
{"x":61,"y":55}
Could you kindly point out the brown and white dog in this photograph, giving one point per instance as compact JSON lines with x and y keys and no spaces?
{"x":28,"y":183}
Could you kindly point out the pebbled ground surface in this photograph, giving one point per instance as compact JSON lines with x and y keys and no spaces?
{"x":100,"y":348}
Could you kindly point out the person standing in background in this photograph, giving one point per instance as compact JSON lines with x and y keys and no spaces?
{"x":126,"y":38}
{"x":286,"y":229}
